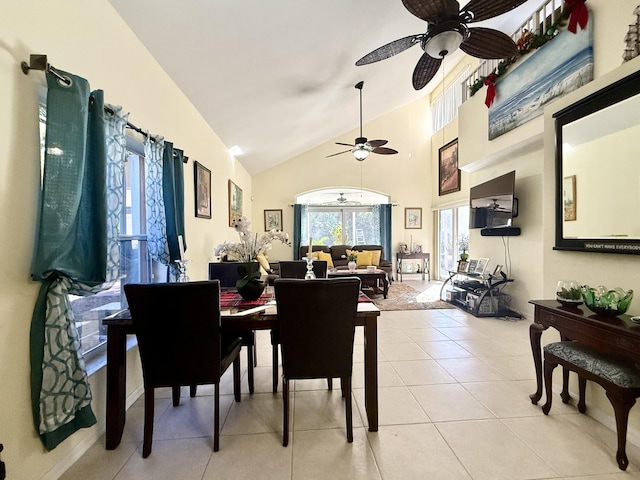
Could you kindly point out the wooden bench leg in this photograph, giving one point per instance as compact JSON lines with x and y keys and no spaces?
{"x":548,"y":380}
{"x":621,"y":407}
{"x":582,"y":388}
{"x":565,"y":395}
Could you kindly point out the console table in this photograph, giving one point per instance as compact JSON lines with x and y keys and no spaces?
{"x":424,"y":261}
{"x":613,"y":335}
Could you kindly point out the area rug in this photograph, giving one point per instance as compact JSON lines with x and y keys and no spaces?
{"x":403,"y":297}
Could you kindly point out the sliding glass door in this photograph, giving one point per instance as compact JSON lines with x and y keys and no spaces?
{"x":452,"y":223}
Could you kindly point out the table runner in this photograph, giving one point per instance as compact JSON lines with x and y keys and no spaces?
{"x":232,"y":299}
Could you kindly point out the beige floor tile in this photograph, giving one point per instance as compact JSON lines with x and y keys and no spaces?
{"x":504,"y":398}
{"x":403,"y":351}
{"x":321,"y":454}
{"x":470,"y":369}
{"x":110,"y":461}
{"x":425,"y":334}
{"x":396,"y":406}
{"x":258,"y":413}
{"x":518,"y":367}
{"x":569,"y":449}
{"x":422,"y":372}
{"x":461,"y":333}
{"x":250,"y":456}
{"x":185,"y":459}
{"x":407,"y":452}
{"x":445,"y":321}
{"x":449,"y":402}
{"x":391,"y":335}
{"x":321,"y":409}
{"x":491,"y":451}
{"x":405,"y":323}
{"x":445,"y":349}
{"x":494,"y":347}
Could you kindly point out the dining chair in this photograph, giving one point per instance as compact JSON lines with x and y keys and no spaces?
{"x":181,"y":344}
{"x":292,"y":269}
{"x":227,"y":274}
{"x":316,"y":321}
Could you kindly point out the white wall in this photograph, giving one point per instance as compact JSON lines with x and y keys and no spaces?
{"x":87,"y":38}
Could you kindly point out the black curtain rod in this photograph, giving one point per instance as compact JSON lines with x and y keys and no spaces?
{"x":39,"y":62}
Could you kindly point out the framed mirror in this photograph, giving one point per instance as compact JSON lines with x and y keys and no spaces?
{"x":598,"y":171}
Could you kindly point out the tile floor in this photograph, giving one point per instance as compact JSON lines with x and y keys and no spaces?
{"x":453,"y":397}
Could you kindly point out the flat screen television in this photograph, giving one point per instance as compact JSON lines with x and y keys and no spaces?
{"x":492,"y":206}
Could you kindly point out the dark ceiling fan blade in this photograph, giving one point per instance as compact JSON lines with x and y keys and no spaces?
{"x":425,"y":70}
{"x":390,"y":49}
{"x":345,"y":144}
{"x":339,"y":153}
{"x":429,"y":9}
{"x":488,"y":43}
{"x":384,"y":151}
{"x":485,"y":9}
{"x":377,"y":143}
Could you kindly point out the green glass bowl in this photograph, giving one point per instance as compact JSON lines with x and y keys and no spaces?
{"x":603,"y":301}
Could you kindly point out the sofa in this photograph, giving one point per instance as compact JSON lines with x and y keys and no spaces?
{"x":339,"y":255}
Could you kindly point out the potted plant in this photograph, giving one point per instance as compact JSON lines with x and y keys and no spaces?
{"x":463,"y":246}
{"x":352,"y":259}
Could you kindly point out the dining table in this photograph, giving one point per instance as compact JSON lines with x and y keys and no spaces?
{"x":241,"y":315}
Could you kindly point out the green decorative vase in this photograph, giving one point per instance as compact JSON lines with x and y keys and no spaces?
{"x":464,"y":256}
{"x":249,"y":285}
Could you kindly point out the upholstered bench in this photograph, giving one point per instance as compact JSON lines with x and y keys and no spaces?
{"x":618,"y":376}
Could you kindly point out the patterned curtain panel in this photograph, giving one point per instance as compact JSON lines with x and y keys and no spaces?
{"x":77,"y":248}
{"x":156,"y":222}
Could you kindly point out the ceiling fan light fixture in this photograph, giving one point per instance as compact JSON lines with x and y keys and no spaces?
{"x":360,"y":153}
{"x":443,"y":43}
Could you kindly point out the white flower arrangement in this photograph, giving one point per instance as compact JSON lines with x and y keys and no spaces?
{"x":250,"y":245}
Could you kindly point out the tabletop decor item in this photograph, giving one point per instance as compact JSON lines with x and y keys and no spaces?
{"x":603,"y":301}
{"x":463,"y":246}
{"x":568,"y":293}
{"x":249,"y":285}
{"x":352,"y":259}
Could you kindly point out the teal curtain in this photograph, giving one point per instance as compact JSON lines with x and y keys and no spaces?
{"x":156,"y":220}
{"x":173,"y":191}
{"x":76,"y":248}
{"x":385,"y":229}
{"x":297,"y":229}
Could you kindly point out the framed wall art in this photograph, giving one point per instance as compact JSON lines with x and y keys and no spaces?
{"x":202,"y":179}
{"x":235,"y":203}
{"x":448,"y":171}
{"x":272,"y":220}
{"x":413,"y":218}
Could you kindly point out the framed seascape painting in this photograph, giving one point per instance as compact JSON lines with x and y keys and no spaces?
{"x":272,"y":220}
{"x":413,"y":218}
{"x":235,"y":203}
{"x":202,"y":178}
{"x":448,"y":171}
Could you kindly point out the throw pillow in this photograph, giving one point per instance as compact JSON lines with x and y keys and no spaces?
{"x":326,"y":257}
{"x":375,"y":257}
{"x":363,"y":259}
{"x":264,"y":263}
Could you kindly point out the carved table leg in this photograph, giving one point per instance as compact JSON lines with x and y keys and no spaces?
{"x":535,"y":332}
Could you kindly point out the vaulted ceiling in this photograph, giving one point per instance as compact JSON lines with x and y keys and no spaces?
{"x":277,"y":77}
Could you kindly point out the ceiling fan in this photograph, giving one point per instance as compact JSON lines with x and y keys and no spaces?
{"x":446,"y":31}
{"x":341,"y":198}
{"x":362,"y":146}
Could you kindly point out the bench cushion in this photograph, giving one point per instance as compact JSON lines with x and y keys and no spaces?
{"x":619,"y":372}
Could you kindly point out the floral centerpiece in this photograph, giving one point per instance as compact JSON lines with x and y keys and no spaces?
{"x":463,"y":244}
{"x":246,"y":251}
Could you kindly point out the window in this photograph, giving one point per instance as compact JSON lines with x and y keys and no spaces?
{"x":135,"y":265}
{"x":444,"y":108}
{"x":452,"y":222}
{"x":342,"y":225}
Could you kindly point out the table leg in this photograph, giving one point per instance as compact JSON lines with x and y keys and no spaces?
{"x":535,"y":332}
{"x":116,"y":380}
{"x":385,"y":286}
{"x":371,"y":371}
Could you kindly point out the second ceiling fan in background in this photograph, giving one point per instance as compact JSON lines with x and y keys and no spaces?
{"x":362,"y":147}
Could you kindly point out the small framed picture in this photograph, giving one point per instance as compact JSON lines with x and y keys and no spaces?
{"x":462,"y":266}
{"x":272,"y":220}
{"x":404,"y":248}
{"x":497,"y":271}
{"x":417,"y":248}
{"x":413,"y":218}
{"x":235,"y":203}
{"x":481,"y":266}
{"x":473,"y":264}
{"x":202,"y":177}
